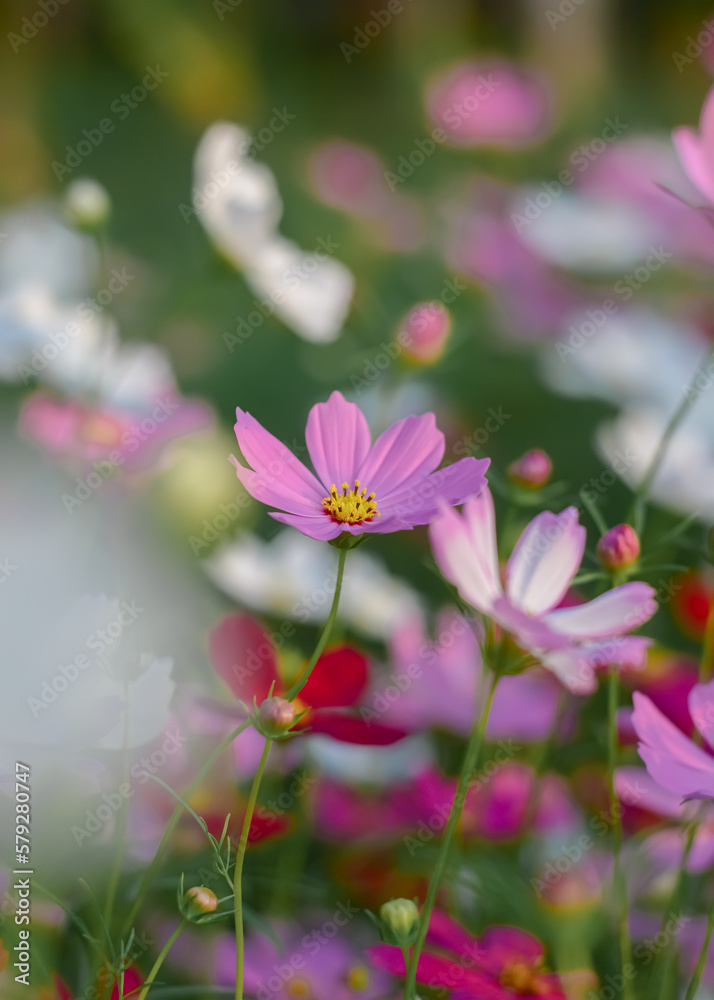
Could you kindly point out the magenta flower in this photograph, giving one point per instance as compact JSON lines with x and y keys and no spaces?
{"x":571,"y":641}
{"x":672,"y":759}
{"x":502,"y":964}
{"x":360,"y":487}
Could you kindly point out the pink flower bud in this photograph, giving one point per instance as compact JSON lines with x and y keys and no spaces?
{"x":619,"y":547}
{"x":532,"y":471}
{"x":200,"y":900}
{"x":276,"y":715}
{"x":425,"y":331}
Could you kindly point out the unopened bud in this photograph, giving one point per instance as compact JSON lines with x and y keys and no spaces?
{"x":425,"y":331}
{"x":400,"y":918}
{"x":200,"y":900}
{"x":275,"y":716}
{"x":619,"y":547}
{"x":532,"y":471}
{"x":87,"y":203}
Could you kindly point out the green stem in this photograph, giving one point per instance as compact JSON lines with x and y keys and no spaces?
{"x":160,"y":960}
{"x":702,"y":961}
{"x":150,"y":872}
{"x":302,"y":681}
{"x":238,"y":873}
{"x":618,"y":881}
{"x":659,"y":455}
{"x":674,"y":905}
{"x":471,"y":758}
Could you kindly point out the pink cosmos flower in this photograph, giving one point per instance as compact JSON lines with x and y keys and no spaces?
{"x":424,"y":332}
{"x":571,"y":641}
{"x":360,"y":487}
{"x":491,"y":104}
{"x":696,"y":149}
{"x":672,"y":759}
{"x":503,"y":963}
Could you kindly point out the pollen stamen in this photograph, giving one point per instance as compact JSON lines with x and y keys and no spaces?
{"x":351,"y":506}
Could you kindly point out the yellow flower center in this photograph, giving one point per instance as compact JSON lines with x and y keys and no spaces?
{"x":358,"y":978}
{"x":351,"y":505}
{"x":519,"y":977}
{"x":298,"y":988}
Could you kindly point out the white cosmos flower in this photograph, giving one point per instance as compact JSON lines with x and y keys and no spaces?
{"x":239,"y":206}
{"x":294,"y":576}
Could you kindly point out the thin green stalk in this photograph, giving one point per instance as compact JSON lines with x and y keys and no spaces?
{"x":160,"y":960}
{"x":302,"y":681}
{"x":150,"y":872}
{"x":618,"y":881}
{"x":471,"y":758}
{"x":238,"y":873}
{"x":702,"y":961}
{"x":674,"y":905}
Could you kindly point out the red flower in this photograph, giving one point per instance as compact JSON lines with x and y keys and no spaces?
{"x":245,"y":657}
{"x":502,"y":964}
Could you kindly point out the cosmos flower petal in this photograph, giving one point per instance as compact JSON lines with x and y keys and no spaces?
{"x":545,"y":560}
{"x":452,"y":485}
{"x":402,"y":456}
{"x":612,"y":613}
{"x":465,"y":550}
{"x":338,"y":440}
{"x":276,"y":476}
{"x":701,"y":709}
{"x":672,"y":759}
{"x":318,"y":526}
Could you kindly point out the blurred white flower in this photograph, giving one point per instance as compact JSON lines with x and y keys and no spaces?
{"x":636,"y":357}
{"x":237,"y":201}
{"x":582,"y":232}
{"x":685,"y":480}
{"x":294,"y":576}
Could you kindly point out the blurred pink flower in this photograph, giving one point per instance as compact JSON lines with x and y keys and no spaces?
{"x":572,"y":641}
{"x":351,"y":177}
{"x":395,"y":485}
{"x":490,"y":104}
{"x":674,"y":761}
{"x":424,"y":331}
{"x":696,"y":149}
{"x":501,"y":963}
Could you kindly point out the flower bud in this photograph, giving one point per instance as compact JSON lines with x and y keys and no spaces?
{"x":200,"y":900}
{"x":87,"y":203}
{"x":619,"y":547}
{"x":425,"y":331}
{"x":532,"y":471}
{"x":400,"y":918}
{"x":275,"y":717}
